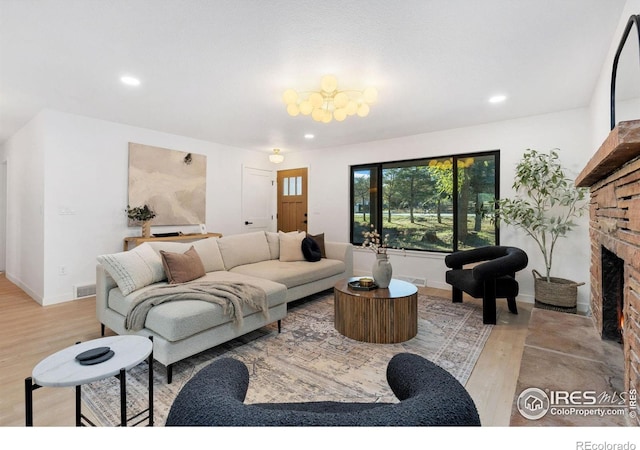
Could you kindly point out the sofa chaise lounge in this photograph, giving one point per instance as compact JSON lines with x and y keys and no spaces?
{"x":272,"y":262}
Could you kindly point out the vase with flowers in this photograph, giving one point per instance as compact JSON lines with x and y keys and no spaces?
{"x":381,"y":270}
{"x":142,"y":215}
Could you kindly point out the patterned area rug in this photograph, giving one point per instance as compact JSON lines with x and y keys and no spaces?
{"x":310,"y":359}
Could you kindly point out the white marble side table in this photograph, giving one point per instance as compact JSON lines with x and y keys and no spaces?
{"x":62,"y":369}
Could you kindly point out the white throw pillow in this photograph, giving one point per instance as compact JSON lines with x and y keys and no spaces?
{"x":134,"y":269}
{"x":291,"y":246}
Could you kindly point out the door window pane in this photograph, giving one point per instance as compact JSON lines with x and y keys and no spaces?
{"x":298,"y":186}
{"x":292,"y":186}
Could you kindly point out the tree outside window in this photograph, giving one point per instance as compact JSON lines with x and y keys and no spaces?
{"x":434,"y":204}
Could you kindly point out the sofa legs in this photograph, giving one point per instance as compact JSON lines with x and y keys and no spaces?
{"x":279,"y":326}
{"x":102,"y":329}
{"x":511,"y":302}
{"x":169,"y":373}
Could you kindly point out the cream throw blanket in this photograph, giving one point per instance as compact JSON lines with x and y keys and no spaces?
{"x":230,"y":295}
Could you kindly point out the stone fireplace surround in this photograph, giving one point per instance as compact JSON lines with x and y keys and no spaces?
{"x":613,"y":178}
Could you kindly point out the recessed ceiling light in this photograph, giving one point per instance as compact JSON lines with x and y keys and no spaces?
{"x":130,"y":81}
{"x":309,"y":136}
{"x":497,"y":98}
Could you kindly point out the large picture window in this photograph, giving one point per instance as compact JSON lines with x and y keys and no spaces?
{"x":435,"y":204}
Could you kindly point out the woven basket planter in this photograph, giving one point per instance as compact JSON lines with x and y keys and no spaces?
{"x":558,"y":294}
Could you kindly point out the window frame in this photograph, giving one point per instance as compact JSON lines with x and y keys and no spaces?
{"x":380,"y":166}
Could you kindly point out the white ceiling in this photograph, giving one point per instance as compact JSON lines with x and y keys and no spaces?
{"x":216,"y":69}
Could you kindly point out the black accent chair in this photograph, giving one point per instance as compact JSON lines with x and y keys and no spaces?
{"x":493,"y":277}
{"x":428,"y":394}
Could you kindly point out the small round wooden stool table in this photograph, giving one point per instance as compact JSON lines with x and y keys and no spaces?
{"x":379,"y":316}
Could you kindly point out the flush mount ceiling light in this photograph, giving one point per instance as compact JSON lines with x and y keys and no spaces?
{"x":130,"y":81}
{"x":330,"y":102}
{"x":497,"y":99}
{"x":276,"y":157}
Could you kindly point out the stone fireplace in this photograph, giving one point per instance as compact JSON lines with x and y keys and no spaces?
{"x":613,"y":178}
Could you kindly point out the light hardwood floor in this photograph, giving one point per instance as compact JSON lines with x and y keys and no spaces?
{"x":30,"y":332}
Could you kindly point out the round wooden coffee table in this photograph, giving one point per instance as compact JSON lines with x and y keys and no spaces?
{"x":380,"y":316}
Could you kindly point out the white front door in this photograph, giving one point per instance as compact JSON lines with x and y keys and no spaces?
{"x":257,"y":199}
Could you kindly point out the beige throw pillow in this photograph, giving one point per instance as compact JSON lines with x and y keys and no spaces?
{"x":244,"y":248}
{"x":291,"y":246}
{"x":274,"y":244}
{"x":182,"y":267}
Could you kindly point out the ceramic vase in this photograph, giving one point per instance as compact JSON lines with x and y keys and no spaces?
{"x":382,"y":270}
{"x":146,"y":229}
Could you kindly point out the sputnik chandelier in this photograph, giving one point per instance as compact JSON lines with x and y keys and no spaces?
{"x":329,"y":102}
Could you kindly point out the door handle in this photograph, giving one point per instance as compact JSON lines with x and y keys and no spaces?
{"x":248,"y":223}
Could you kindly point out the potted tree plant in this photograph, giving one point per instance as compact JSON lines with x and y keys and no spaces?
{"x":142,"y":215}
{"x":545,"y":207}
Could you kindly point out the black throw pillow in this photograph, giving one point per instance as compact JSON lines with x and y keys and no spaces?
{"x":319,"y":238}
{"x":311,"y":250}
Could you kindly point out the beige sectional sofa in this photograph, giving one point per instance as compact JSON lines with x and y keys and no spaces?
{"x":184,"y":328}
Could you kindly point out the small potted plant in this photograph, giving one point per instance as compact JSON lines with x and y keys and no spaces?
{"x":142,"y":215}
{"x":545,"y":208}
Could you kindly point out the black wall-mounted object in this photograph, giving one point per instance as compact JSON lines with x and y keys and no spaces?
{"x":633,"y":20}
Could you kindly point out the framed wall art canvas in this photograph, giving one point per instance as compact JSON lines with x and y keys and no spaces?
{"x":172,"y":182}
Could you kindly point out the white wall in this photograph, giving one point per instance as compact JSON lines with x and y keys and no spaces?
{"x":80,"y":165}
{"x":568,"y":131}
{"x":24,"y":154}
{"x":3,"y":211}
{"x":599,"y":109}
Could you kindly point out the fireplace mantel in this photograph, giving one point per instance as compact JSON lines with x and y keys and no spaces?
{"x":621,"y":146}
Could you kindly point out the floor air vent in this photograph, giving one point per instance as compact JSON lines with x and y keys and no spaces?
{"x":84,"y":291}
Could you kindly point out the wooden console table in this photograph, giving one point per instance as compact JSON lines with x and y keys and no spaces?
{"x":137,"y":240}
